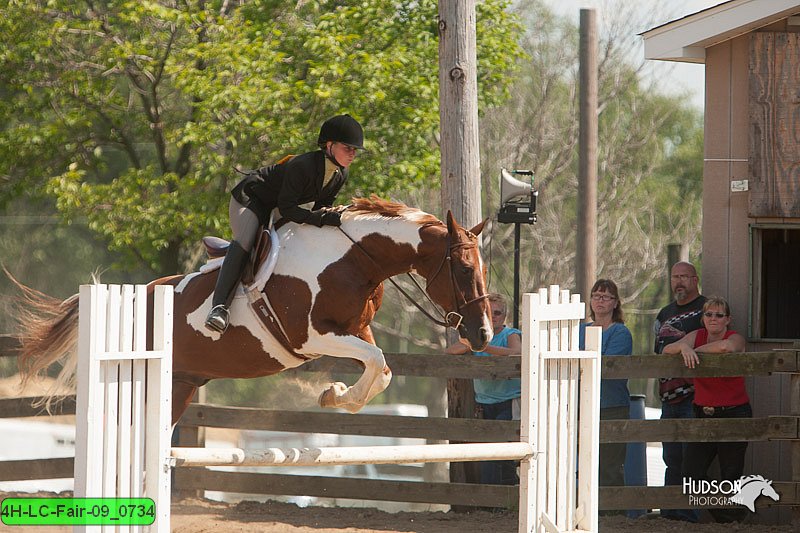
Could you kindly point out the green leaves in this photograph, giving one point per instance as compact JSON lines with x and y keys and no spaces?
{"x":137,"y":112}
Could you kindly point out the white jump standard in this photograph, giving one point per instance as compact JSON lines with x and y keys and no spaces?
{"x":118,"y":433}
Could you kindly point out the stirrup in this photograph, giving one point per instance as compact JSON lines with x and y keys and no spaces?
{"x":217,"y":319}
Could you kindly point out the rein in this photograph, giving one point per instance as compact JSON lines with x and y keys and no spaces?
{"x":451,"y":319}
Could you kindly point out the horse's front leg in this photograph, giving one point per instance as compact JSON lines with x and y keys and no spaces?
{"x":373,"y":381}
{"x":380,"y":384}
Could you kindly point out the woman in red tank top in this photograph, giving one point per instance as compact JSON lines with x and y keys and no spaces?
{"x":722,"y":397}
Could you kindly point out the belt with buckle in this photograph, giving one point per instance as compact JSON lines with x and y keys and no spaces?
{"x":709,"y":411}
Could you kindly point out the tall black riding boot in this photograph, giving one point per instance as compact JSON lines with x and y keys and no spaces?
{"x":228,"y":278}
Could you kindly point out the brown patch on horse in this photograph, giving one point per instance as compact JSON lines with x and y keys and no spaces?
{"x":351,"y":288}
{"x":373,"y":304}
{"x":293,"y":314}
{"x":431,"y":251}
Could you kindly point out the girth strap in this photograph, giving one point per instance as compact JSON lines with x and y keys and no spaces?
{"x":261,"y":307}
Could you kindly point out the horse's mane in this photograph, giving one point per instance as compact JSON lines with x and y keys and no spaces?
{"x":375,"y":206}
{"x":754,"y":477}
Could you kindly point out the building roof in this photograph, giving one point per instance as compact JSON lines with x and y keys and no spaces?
{"x":686,"y":39}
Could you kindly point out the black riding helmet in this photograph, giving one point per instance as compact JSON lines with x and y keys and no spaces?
{"x":342,"y":129}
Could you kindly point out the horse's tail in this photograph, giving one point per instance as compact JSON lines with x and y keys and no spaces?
{"x":47,"y":334}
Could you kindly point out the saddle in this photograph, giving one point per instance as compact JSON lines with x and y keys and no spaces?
{"x":217,"y":247}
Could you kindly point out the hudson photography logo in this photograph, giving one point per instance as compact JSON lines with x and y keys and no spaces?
{"x":744,"y":491}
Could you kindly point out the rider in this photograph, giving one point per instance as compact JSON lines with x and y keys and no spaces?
{"x":289,"y":184}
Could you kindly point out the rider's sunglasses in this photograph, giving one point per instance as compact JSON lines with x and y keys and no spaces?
{"x":349,"y":149}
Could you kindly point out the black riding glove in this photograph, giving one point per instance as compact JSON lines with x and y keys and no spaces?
{"x":324,"y":217}
{"x":331,"y":218}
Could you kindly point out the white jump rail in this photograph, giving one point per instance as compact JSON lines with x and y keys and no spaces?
{"x":124,"y":394}
{"x":559,"y":428}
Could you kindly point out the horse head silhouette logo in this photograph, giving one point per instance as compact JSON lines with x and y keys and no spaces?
{"x":751,"y":488}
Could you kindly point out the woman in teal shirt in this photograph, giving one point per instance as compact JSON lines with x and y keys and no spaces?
{"x":495,"y":398}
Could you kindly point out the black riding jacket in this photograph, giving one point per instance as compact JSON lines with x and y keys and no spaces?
{"x":288,"y":185}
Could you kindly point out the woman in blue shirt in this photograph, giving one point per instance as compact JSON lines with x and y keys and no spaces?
{"x":495,"y":399}
{"x":606,"y":312}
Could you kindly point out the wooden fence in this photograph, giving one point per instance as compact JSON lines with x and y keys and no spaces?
{"x":470,"y":430}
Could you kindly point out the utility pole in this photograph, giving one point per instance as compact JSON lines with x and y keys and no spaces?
{"x":458,"y":126}
{"x":586,"y":253}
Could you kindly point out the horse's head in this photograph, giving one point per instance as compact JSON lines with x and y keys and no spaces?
{"x":456,"y":282}
{"x":770,"y":492}
{"x":764,"y":486}
{"x":751,"y":487}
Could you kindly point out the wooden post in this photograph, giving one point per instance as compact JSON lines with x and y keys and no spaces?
{"x":586,"y":253}
{"x":458,"y":111}
{"x":794,"y":410}
{"x":458,"y":125}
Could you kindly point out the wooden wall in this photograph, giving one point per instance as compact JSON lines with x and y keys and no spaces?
{"x":774,"y":124}
{"x":726,"y":261}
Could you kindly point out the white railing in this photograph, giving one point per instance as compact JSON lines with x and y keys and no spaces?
{"x":123,"y":416}
{"x":559,"y":435}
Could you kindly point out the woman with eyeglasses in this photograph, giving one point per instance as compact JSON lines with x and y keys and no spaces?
{"x":302,"y":187}
{"x":721,"y":397}
{"x":605,"y":309}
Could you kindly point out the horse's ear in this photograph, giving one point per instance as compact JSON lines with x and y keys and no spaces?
{"x":452,"y":225}
{"x":478,"y":227}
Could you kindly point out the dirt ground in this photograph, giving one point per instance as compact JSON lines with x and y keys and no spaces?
{"x":200,"y":516}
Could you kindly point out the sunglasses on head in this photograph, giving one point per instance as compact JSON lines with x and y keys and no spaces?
{"x":709,"y":314}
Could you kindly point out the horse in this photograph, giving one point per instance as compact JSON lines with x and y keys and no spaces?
{"x":324,"y":290}
{"x":751,"y":487}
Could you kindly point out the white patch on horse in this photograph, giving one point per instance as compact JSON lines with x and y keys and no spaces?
{"x":242,"y":315}
{"x":398,"y":229}
{"x":487,"y":322}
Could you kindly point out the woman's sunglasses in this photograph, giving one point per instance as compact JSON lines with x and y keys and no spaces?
{"x":709,"y":314}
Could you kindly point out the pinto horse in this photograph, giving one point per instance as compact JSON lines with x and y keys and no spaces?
{"x":324,"y":291}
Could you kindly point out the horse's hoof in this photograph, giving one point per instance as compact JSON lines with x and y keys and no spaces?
{"x":331,"y":394}
{"x":326,"y":398}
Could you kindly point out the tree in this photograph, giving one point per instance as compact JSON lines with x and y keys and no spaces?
{"x":133,"y":114}
{"x":650,"y":169}
{"x":644,"y":138}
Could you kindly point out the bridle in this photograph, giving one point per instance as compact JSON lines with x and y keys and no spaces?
{"x":451,"y":319}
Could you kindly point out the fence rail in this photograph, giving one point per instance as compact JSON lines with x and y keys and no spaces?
{"x":631,"y":367}
{"x":455,"y":429}
{"x":465,"y":430}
